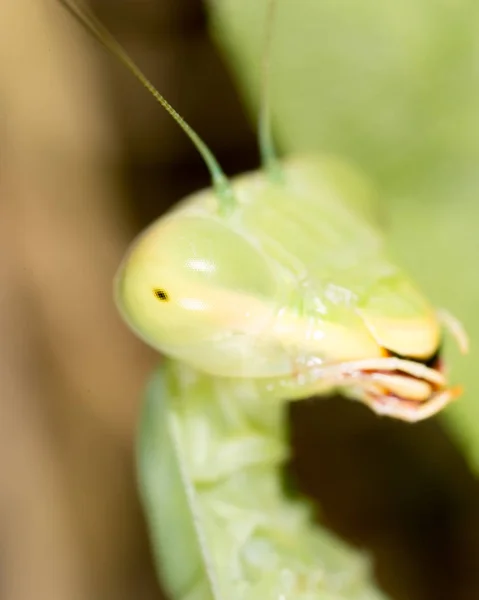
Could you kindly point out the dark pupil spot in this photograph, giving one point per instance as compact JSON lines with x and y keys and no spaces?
{"x":161,"y":295}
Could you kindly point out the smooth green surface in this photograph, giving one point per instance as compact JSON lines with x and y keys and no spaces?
{"x":394,"y":87}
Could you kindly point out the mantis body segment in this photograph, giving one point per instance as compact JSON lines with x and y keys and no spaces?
{"x":287,"y":292}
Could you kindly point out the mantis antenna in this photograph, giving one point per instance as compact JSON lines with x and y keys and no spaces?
{"x":220,"y":182}
{"x":269,"y":156}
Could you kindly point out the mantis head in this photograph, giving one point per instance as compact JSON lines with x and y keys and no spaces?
{"x":292,"y":287}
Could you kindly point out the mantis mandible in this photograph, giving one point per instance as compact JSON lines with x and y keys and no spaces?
{"x":262,"y":290}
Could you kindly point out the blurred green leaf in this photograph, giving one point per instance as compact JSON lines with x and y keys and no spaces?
{"x":395,"y":88}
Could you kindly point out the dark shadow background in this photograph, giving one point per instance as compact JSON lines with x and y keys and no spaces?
{"x":87,"y":159}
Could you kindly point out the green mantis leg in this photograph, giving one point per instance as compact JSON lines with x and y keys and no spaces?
{"x":221,"y":524}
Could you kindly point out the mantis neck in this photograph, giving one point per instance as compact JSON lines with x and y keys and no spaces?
{"x":219,"y":448}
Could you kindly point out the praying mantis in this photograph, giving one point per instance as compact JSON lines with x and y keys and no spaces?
{"x":262,"y":290}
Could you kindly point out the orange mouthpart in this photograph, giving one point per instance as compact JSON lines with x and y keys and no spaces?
{"x":402,"y":389}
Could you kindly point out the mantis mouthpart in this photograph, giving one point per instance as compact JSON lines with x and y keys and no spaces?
{"x":265,"y":289}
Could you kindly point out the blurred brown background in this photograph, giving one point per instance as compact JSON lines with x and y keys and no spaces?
{"x":88,"y":159}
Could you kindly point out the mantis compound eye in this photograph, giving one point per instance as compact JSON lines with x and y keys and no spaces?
{"x":193,"y":286}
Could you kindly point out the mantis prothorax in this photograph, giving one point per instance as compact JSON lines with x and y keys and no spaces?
{"x":271,"y":287}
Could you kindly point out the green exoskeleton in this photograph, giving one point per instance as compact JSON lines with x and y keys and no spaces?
{"x":272,"y":287}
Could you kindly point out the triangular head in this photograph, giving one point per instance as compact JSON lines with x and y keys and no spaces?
{"x":293,"y":286}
